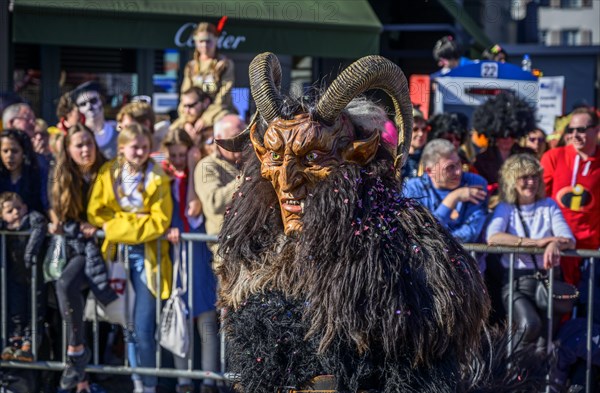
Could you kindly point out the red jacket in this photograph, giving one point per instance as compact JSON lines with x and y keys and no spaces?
{"x":575,"y":185}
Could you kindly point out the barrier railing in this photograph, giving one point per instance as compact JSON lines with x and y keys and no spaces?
{"x":593,"y":255}
{"x":187,"y":240}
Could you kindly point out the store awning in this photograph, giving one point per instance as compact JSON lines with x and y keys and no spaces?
{"x":332,"y":28}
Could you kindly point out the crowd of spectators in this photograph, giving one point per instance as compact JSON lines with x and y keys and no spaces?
{"x":517,"y":192}
{"x":136,"y":180}
{"x":491,"y":179}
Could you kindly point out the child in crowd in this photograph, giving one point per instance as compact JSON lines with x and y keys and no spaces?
{"x":78,"y":161}
{"x":22,"y":255}
{"x":177,"y":144}
{"x":131,"y":201}
{"x":19,"y":170}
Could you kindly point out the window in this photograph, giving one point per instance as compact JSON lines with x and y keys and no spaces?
{"x":570,"y":37}
{"x":585,"y":37}
{"x":543,"y":37}
{"x":575,"y":3}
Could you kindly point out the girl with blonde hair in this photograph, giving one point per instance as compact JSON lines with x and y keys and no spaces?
{"x":131,"y":201}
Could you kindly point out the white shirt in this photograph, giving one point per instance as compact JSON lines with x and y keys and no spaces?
{"x":543,"y":219}
{"x":132,"y":200}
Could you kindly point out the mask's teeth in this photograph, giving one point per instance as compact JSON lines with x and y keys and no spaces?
{"x":302,"y":205}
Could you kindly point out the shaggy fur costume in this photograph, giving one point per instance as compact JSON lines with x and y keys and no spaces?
{"x":373,"y":291}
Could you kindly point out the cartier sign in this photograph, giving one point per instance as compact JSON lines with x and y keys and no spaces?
{"x":184,"y":38}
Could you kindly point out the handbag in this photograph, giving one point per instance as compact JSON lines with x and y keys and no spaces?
{"x":55,"y":259}
{"x":116,"y":311}
{"x":564,"y":295}
{"x":537,"y":285}
{"x":174,"y":334}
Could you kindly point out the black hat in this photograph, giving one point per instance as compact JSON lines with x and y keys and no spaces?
{"x":85,"y":87}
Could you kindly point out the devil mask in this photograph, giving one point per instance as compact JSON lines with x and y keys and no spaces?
{"x":300,"y":150}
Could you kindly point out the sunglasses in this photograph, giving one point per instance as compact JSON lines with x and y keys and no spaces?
{"x":580,"y":130}
{"x":534,"y":139}
{"x":142,"y":98}
{"x":91,"y":101}
{"x":190,"y":106}
{"x":526,"y":178}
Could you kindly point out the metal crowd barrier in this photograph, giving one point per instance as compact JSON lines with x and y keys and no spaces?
{"x":187,"y":240}
{"x":593,"y":255}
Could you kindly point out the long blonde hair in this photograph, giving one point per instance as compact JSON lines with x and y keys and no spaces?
{"x":126,"y":135}
{"x":205,"y":27}
{"x":516,"y":166}
{"x":67,"y":184}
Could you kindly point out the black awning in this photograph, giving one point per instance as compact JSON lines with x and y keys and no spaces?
{"x":332,"y":28}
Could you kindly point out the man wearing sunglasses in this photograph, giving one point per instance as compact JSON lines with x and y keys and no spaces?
{"x":89,"y":102}
{"x":193,"y":105}
{"x":572,"y":178}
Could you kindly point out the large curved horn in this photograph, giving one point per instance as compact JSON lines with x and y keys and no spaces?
{"x":371,"y":72}
{"x":265,"y":82}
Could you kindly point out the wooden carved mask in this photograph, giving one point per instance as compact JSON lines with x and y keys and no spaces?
{"x":299,"y":151}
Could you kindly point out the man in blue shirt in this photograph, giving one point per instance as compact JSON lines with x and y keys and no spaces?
{"x":457,"y":200}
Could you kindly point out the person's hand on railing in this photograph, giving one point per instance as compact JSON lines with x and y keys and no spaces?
{"x":55,"y":228}
{"x":173,"y":235}
{"x":551,"y":255}
{"x":87,"y":229}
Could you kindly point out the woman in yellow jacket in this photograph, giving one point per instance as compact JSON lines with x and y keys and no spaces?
{"x":131,"y":201}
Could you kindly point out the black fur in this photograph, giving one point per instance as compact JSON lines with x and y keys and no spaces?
{"x":373,"y":291}
{"x":504,"y":115}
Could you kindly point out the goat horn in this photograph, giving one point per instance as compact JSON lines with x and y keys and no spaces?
{"x":265,"y":83}
{"x":371,"y":72}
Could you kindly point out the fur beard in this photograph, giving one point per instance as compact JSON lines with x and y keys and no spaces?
{"x":382,"y":292}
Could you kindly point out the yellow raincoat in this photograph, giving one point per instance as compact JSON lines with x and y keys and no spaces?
{"x":131,"y":228}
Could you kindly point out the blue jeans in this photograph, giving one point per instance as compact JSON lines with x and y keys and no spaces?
{"x":141,"y":341}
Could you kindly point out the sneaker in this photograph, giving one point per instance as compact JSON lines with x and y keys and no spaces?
{"x":24,"y":354}
{"x":75,"y":370}
{"x":8,"y":353}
